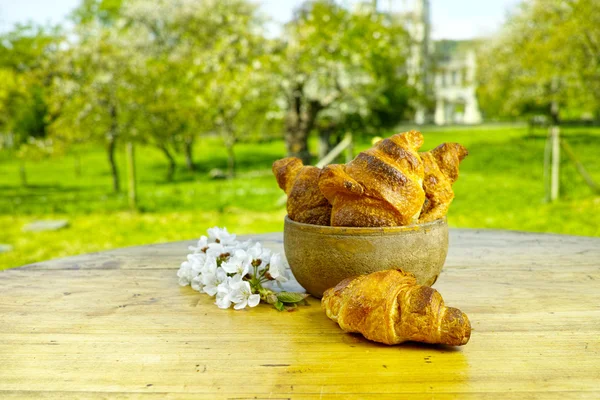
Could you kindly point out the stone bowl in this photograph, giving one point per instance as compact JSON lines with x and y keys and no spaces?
{"x":322,"y":256}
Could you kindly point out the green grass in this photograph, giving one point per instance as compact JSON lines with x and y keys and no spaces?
{"x":500,"y":186}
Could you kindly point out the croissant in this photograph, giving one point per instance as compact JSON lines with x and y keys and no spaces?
{"x":305,"y":201}
{"x":380,"y":187}
{"x":389,"y":307}
{"x":441,"y":171}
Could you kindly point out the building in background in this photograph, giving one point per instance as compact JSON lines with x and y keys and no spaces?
{"x":442,"y":71}
{"x":419,"y":67}
{"x":454,"y":83}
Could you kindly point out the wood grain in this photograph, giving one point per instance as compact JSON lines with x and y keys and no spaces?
{"x":117,"y":325}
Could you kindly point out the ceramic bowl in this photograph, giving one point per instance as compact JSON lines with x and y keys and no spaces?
{"x":322,"y":256}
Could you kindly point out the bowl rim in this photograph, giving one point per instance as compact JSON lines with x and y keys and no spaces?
{"x":352,"y":231}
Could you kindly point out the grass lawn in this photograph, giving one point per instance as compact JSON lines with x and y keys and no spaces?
{"x":501,"y":186}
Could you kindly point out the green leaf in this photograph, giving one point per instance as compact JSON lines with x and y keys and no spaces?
{"x":279,"y":305}
{"x":290,"y":297}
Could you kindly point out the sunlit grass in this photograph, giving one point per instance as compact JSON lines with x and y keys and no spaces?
{"x":501,"y":186}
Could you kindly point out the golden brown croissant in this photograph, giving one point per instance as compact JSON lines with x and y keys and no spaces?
{"x":305,"y":201}
{"x":389,"y":307}
{"x":380,"y":187}
{"x":441,"y":171}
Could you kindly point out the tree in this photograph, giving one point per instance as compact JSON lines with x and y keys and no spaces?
{"x":546,"y":60}
{"x":91,"y":96}
{"x":103,"y":12}
{"x":238,"y":78}
{"x":340,"y":67}
{"x":201,"y":73}
{"x":541,"y":63}
{"x":26,"y":55}
{"x":577,"y":29}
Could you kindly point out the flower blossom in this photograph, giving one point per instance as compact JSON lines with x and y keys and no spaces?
{"x":277,"y":269}
{"x":212,"y":281}
{"x":243,"y":296}
{"x":200,"y":246}
{"x":222,"y":236}
{"x":239,"y":263}
{"x":235,"y":272}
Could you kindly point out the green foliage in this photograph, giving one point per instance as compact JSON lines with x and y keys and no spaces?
{"x":547,"y":54}
{"x":161,"y":73}
{"x":105,"y":12}
{"x":350,"y":63}
{"x":165,"y":72}
{"x":26,"y":55}
{"x":290,"y":297}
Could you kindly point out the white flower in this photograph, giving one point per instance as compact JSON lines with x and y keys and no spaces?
{"x":258,"y":253}
{"x":243,"y":296}
{"x":185,"y":273}
{"x":244,"y":245}
{"x":213,"y":281}
{"x":227,"y":290}
{"x":202,"y":244}
{"x":197,"y":283}
{"x":230,"y":284}
{"x":223,"y":300}
{"x":210,"y":265}
{"x":265,"y":257}
{"x":239,"y":263}
{"x":219,"y":264}
{"x":221,"y":236}
{"x":197,"y":262}
{"x":215,"y":250}
{"x":255,"y":251}
{"x":277,"y":268}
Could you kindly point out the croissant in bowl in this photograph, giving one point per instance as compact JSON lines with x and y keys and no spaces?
{"x":305,"y":201}
{"x":390,"y":184}
{"x":382,"y":186}
{"x":441,"y":171}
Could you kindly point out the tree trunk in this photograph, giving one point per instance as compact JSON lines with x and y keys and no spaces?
{"x":23,"y":174}
{"x":189,"y":157}
{"x":111,"y":147}
{"x":324,"y":143}
{"x":132,"y":192}
{"x":555,"y":172}
{"x":172,"y":164}
{"x":110,"y":150}
{"x":555,"y":137}
{"x":300,"y":121}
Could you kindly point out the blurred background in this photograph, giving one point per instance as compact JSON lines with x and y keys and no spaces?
{"x":126,"y":122}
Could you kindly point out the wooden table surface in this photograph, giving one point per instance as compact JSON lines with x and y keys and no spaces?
{"x":116,"y":324}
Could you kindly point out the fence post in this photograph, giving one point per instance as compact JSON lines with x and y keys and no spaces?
{"x":131,"y":176}
{"x":555,"y":174}
{"x":350,"y":148}
{"x":547,"y":155}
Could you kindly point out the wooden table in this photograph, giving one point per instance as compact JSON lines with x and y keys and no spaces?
{"x":116,"y":324}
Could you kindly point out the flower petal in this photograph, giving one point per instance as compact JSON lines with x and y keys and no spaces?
{"x":241,"y":305}
{"x":253,"y":300}
{"x":210,"y":290}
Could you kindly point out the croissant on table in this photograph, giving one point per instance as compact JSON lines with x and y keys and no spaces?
{"x":382,"y":186}
{"x":441,"y":171}
{"x":305,"y":201}
{"x":389,"y":307}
